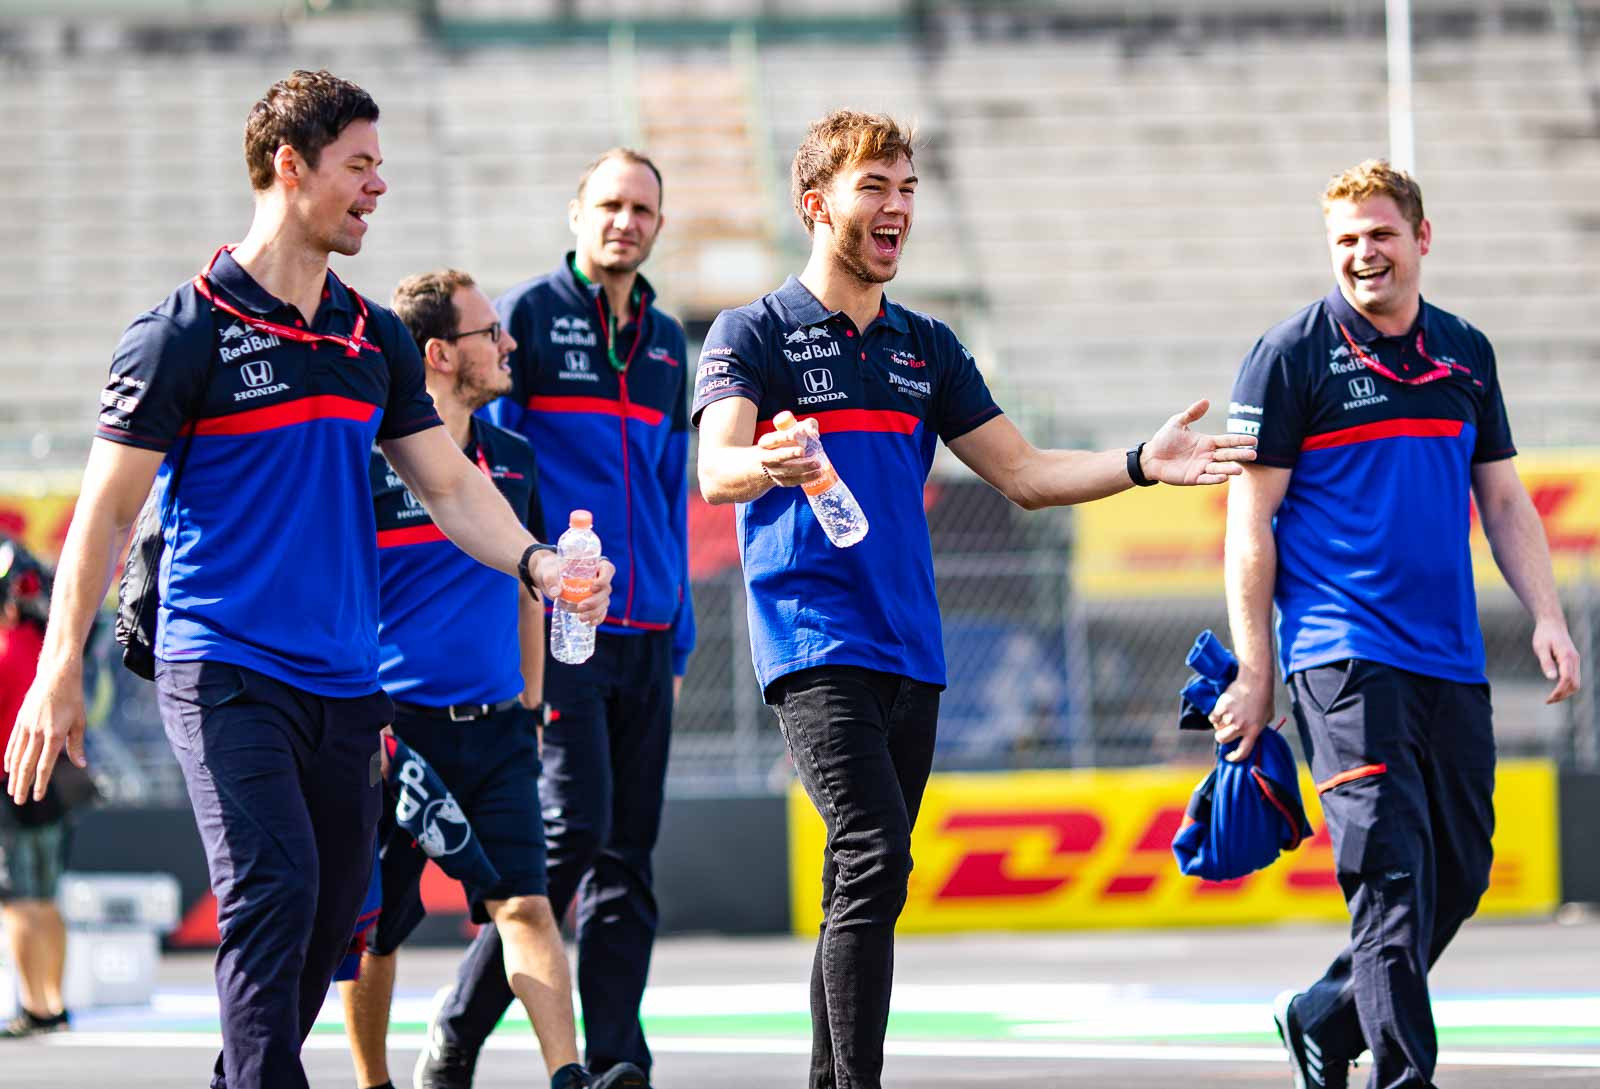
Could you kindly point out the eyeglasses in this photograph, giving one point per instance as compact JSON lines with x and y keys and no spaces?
{"x":492,"y":330}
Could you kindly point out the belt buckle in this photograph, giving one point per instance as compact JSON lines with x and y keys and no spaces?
{"x":465,"y":712}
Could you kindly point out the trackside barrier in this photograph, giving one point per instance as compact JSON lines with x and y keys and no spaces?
{"x":1051,"y":850}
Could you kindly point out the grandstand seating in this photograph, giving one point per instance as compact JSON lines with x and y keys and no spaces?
{"x":1109,"y":222}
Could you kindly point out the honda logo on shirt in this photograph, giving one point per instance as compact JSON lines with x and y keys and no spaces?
{"x":819,"y":380}
{"x":256,"y":373}
{"x":1362,"y":387}
{"x":577,"y":361}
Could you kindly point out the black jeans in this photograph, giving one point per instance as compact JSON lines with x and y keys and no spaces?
{"x":862,"y":743}
{"x":1405,"y":767}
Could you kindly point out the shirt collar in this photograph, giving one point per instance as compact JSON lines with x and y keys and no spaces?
{"x":1362,"y":330}
{"x":807,"y":309}
{"x":586,"y":288}
{"x":243,"y":291}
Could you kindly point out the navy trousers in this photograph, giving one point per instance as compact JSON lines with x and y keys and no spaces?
{"x":285,"y":789}
{"x":605,"y":766}
{"x":1404,"y":764}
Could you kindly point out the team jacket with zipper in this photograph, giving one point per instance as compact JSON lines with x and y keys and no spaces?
{"x":611,"y":439}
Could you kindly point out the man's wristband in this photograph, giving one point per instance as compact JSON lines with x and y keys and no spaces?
{"x":1135,"y":471}
{"x":522,"y":566}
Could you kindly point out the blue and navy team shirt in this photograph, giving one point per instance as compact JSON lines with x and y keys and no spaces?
{"x":610,"y":438}
{"x":882,"y":399}
{"x":1373,"y":557}
{"x":269,"y":561}
{"x":447,"y":625}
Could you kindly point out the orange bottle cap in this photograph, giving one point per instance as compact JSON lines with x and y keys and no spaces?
{"x":783,"y":420}
{"x":580,"y":519}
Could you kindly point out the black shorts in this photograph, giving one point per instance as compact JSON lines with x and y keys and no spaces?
{"x":491,"y":766}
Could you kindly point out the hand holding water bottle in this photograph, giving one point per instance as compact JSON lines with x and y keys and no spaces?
{"x":837,"y":511}
{"x":574,"y":615}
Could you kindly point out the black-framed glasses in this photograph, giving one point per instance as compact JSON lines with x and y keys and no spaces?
{"x":492,"y":330}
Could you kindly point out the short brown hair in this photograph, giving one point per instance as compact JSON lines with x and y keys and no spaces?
{"x":627,"y":155}
{"x":840,"y":141}
{"x":307,"y":111}
{"x":1376,"y":178}
{"x":426,"y":303}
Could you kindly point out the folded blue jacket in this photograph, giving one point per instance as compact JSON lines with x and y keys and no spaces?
{"x":1244,"y":813}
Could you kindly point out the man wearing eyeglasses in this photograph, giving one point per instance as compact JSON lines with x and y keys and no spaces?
{"x":251,"y":398}
{"x":461,"y":652}
{"x":598,"y":389}
{"x":1379,"y":418}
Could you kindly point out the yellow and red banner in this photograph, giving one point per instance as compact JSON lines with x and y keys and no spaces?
{"x":36,"y":509}
{"x":1048,"y":850}
{"x":1167,"y":542}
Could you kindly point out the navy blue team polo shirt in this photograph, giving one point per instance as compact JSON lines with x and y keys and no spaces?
{"x":882,"y":399}
{"x":447,"y":624}
{"x":1372,"y":535}
{"x":269,"y":560}
{"x":612,"y":438}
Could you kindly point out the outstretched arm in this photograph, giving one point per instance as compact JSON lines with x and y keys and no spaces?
{"x":476,"y":517}
{"x":1034,"y":478}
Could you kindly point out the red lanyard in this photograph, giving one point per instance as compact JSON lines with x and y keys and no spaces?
{"x":483,"y":462}
{"x":1440,"y":370}
{"x":353,"y":344}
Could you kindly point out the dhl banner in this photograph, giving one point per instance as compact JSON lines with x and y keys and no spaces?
{"x":1167,"y":542}
{"x":1051,"y":850}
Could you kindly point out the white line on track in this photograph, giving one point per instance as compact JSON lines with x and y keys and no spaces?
{"x":923,"y":1049}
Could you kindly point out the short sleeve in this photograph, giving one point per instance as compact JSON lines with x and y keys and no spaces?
{"x":1266,"y":404}
{"x":732,"y":363}
{"x":156,"y":384}
{"x":962,"y":401}
{"x":410,"y":408}
{"x":1494,"y":426}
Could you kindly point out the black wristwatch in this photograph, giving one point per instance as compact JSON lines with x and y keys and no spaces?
{"x":541,"y":713}
{"x":1135,"y":471}
{"x":527,"y":575}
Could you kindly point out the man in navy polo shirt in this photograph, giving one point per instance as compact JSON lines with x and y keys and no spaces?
{"x":251,"y":397}
{"x":598,"y":389}
{"x":1380,"y":417}
{"x":461,"y":653}
{"x":847,"y":642}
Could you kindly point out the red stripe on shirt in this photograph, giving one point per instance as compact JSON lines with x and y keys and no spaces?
{"x":1385,"y":429}
{"x":394,"y":538}
{"x":603,"y":405}
{"x":855,"y":419}
{"x":325,"y":406}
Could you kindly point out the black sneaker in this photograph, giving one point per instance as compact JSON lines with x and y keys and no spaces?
{"x":622,"y":1076}
{"x":26,"y":1024}
{"x":571,"y":1076}
{"x":1311,"y":1069}
{"x":442,"y":1065}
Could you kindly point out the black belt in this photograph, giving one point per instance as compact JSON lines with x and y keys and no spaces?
{"x":459,"y":712}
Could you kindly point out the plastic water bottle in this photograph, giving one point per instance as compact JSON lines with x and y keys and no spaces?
{"x":831,"y":500}
{"x":571,"y":640}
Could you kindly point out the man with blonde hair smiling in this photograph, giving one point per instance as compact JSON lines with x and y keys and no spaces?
{"x":847,"y":642}
{"x":1380,"y":418}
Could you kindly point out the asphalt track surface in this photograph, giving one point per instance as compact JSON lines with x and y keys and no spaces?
{"x":1518,"y":1005}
